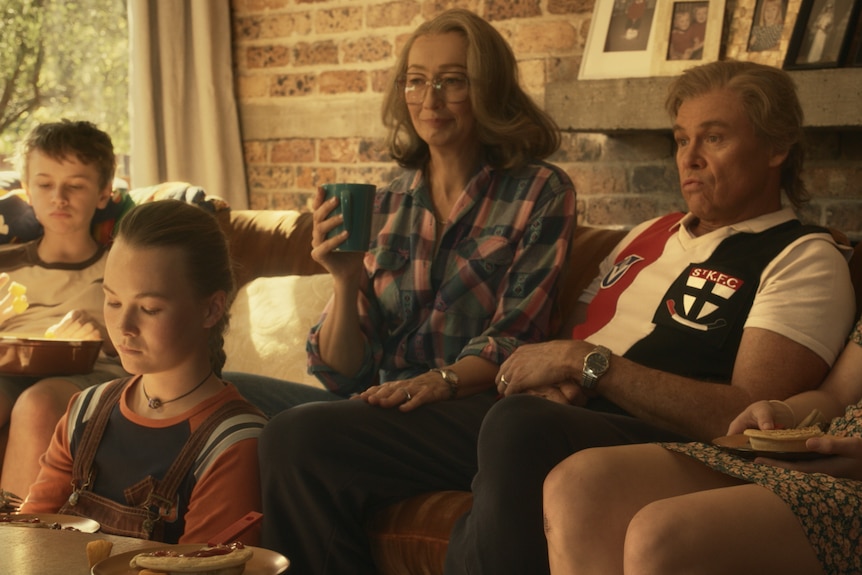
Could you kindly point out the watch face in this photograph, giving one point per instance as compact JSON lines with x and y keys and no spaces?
{"x":598,"y":363}
{"x":450,"y":375}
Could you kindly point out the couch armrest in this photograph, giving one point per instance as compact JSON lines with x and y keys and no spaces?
{"x":268,"y":243}
{"x":412,"y":536}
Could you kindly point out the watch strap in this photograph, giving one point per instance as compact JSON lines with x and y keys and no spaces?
{"x":451,"y":380}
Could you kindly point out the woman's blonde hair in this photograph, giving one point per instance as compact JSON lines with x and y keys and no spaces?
{"x":512,"y":129}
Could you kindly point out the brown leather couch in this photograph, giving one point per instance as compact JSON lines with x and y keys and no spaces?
{"x":411,"y":537}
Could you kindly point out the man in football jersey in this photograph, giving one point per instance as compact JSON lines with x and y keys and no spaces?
{"x":692,"y":317}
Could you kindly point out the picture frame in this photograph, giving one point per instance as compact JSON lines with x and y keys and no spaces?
{"x":612,"y":50}
{"x":822,"y":34}
{"x":678,"y":27}
{"x":854,"y":54}
{"x":755,"y":36}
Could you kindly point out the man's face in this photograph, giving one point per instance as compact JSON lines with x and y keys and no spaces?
{"x":727,"y":174}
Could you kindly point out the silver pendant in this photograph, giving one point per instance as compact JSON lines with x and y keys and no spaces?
{"x":154,"y":403}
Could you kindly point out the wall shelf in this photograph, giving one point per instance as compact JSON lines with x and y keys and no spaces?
{"x":831,"y":98}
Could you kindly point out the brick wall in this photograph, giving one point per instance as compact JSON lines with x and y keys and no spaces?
{"x":310,"y":74}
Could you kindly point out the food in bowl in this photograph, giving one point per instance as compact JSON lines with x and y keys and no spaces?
{"x":788,"y":440}
{"x":19,"y":297}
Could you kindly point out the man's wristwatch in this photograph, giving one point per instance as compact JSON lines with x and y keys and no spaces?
{"x":596,"y":364}
{"x":451,"y":379}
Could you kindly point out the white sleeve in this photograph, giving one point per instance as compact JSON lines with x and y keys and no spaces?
{"x":806,"y":295}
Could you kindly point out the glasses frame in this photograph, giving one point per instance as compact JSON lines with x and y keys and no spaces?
{"x":436,"y":82}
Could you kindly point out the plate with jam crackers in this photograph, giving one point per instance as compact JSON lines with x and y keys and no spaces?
{"x":231,"y":559}
{"x":784,"y":444}
{"x":49,"y":521}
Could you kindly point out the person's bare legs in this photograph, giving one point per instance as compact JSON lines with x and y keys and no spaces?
{"x":31,"y":426}
{"x":590,"y":498}
{"x":740,"y":529}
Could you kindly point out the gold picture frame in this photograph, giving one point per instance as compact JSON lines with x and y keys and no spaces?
{"x":687,"y":33}
{"x":749,"y":37}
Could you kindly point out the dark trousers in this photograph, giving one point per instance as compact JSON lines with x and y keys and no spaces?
{"x":272,"y":395}
{"x":521,"y":440}
{"x":327,"y":467}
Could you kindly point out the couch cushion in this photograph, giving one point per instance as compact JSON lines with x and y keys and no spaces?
{"x":412,"y":536}
{"x":270,"y":243}
{"x":269,"y":324}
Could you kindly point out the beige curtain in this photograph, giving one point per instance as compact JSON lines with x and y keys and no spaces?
{"x":184,"y":119}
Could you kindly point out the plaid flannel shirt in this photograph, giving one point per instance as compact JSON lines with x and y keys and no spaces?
{"x":488,"y":287}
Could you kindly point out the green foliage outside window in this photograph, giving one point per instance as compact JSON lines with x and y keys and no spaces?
{"x":64,"y":59}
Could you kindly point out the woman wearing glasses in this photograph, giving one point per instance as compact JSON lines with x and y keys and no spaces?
{"x":469,"y":243}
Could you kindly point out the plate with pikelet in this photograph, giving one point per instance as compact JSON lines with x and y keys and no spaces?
{"x":262,"y":561}
{"x":49,"y":521}
{"x":786,"y":444}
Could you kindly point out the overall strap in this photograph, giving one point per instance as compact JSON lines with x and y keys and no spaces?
{"x":165,"y":491}
{"x":93,"y":431}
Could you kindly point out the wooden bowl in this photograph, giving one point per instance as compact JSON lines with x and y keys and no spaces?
{"x":43,"y":357}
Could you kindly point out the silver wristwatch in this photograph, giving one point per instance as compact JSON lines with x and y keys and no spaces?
{"x":596,"y":364}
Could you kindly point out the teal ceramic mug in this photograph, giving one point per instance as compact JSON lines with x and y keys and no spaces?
{"x":355,"y":203}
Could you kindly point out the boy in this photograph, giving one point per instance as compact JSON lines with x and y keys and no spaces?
{"x":67,"y":170}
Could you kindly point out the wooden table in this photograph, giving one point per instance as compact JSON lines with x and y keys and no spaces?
{"x":36,"y":551}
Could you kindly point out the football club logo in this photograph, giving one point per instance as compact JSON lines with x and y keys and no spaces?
{"x":619,"y":270}
{"x":704,"y":292}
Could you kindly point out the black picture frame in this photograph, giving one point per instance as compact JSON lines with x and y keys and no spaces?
{"x":854,"y":54}
{"x":822,"y":34}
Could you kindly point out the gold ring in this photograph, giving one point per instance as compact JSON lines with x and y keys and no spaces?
{"x":503,"y":381}
{"x":407,"y":393}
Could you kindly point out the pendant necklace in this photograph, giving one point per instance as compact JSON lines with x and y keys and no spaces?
{"x":156,"y":403}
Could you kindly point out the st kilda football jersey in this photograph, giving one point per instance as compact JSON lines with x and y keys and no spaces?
{"x":692,"y":327}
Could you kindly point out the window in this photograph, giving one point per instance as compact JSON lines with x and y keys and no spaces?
{"x":64,"y":59}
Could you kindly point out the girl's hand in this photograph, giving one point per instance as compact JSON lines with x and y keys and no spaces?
{"x":846,"y":460}
{"x":763,"y":415}
{"x":340,"y":265}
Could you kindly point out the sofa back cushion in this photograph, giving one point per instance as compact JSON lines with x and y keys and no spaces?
{"x":267,"y":243}
{"x":269,"y":324}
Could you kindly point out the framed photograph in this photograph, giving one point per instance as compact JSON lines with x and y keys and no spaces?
{"x":822,"y":34}
{"x":767,"y":26}
{"x":760,"y":30}
{"x":619,"y":44}
{"x":854,"y":54}
{"x":686,"y":34}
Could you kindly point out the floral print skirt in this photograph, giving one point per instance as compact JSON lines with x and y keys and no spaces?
{"x":829,"y":508}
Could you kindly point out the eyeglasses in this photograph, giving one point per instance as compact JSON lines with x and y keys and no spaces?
{"x":453,"y":88}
